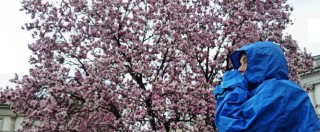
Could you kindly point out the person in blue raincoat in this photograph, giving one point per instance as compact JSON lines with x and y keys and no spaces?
{"x":258,"y":95}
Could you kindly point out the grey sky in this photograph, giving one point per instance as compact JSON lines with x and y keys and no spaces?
{"x":306,"y":27}
{"x":14,"y":53}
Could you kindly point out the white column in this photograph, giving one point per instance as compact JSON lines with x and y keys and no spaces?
{"x":13,"y":122}
{"x":311,"y":96}
{"x":317,"y":96}
{"x":19,"y":121}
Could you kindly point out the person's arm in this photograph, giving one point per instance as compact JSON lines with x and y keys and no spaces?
{"x":230,"y":96}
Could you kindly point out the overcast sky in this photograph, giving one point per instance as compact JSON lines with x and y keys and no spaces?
{"x":14,"y":53}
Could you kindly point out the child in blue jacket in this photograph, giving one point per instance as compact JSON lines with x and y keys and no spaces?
{"x":258,"y":96}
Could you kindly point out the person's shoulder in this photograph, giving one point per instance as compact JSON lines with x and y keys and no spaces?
{"x":279,"y":91}
{"x":285,"y":86}
{"x":275,"y":85}
{"x":288,"y":84}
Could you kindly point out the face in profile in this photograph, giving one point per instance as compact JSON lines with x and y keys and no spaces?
{"x":243,"y":63}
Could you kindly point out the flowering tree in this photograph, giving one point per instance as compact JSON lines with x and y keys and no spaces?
{"x":138,"y":65}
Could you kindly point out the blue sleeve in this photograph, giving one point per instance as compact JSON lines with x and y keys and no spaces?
{"x":230,"y":95}
{"x":276,"y":106}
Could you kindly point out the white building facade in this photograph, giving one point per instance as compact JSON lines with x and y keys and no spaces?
{"x":311,"y":81}
{"x":9,"y":121}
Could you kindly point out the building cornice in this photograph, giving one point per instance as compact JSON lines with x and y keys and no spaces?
{"x":316,"y":70}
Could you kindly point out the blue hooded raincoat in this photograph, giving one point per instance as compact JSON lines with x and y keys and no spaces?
{"x":263,"y":99}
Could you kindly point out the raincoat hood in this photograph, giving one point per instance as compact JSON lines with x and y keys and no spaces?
{"x":265,"y":60}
